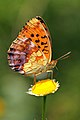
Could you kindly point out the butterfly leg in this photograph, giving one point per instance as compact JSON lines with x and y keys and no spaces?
{"x":50,"y":71}
{"x":34,"y":78}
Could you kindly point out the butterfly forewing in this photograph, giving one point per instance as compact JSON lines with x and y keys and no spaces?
{"x":37,"y":31}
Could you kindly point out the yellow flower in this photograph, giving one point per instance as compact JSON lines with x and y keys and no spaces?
{"x":43,"y":87}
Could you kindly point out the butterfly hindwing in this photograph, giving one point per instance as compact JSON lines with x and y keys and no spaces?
{"x":37,"y":31}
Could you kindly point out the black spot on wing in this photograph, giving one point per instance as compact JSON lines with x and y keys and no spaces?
{"x":43,"y":43}
{"x":45,"y":46}
{"x":37,"y":35}
{"x":11,"y":53}
{"x":43,"y":36}
{"x":32,"y":35}
{"x":29,"y":39}
{"x":37,"y":41}
{"x":26,"y":23}
{"x":39,"y":46}
{"x":12,"y":49}
{"x":45,"y":51}
{"x":39,"y":18}
{"x":49,"y":37}
{"x":45,"y":28}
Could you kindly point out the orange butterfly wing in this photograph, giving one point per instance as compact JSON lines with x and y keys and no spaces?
{"x":32,"y":47}
{"x":38,"y":32}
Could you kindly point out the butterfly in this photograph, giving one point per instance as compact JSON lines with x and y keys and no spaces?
{"x":31,"y":52}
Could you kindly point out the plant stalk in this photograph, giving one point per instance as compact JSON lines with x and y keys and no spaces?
{"x":43,"y":107}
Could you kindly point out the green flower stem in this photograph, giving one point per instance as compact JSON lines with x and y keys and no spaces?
{"x":43,"y":107}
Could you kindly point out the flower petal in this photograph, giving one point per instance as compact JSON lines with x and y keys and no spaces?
{"x":43,"y":87}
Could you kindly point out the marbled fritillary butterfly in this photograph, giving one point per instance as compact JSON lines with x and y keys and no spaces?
{"x":30,"y":53}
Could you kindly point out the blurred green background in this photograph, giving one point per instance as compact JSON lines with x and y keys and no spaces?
{"x":63,"y":19}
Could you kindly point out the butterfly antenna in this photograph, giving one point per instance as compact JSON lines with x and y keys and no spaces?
{"x":64,"y":56}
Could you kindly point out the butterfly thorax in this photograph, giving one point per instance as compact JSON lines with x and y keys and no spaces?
{"x":52,"y":64}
